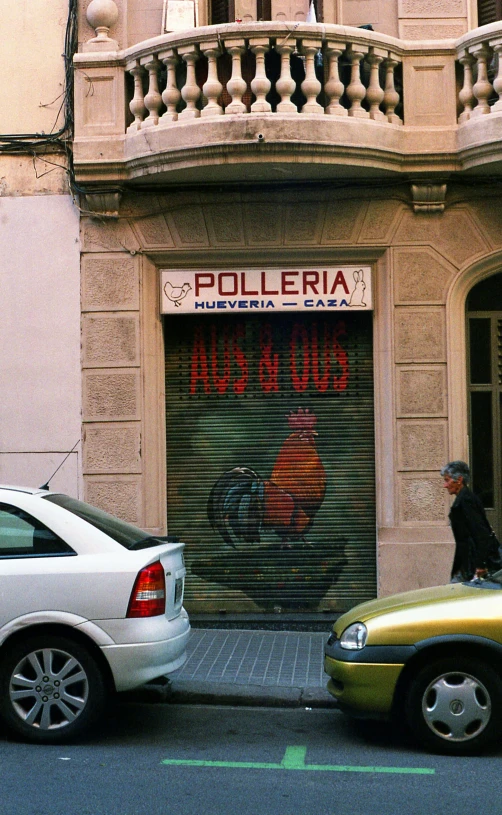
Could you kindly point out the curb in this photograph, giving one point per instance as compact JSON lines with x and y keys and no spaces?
{"x":194,"y":692}
{"x":203,"y":693}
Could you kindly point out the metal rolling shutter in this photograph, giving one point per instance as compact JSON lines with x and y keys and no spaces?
{"x":231,"y":383}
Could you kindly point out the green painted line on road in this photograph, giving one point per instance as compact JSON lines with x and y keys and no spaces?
{"x":294,"y":759}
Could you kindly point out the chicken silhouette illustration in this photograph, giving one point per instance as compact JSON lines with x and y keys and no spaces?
{"x":241,"y":504}
{"x":176,"y":293}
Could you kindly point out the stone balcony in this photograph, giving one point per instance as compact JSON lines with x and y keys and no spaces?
{"x":287,"y":102}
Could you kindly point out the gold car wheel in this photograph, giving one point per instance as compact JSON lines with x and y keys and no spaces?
{"x":455,"y":705}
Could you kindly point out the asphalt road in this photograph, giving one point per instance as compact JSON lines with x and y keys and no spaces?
{"x":158,"y":759}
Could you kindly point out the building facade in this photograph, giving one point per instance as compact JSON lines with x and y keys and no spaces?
{"x":40,"y":380}
{"x":291,"y":287}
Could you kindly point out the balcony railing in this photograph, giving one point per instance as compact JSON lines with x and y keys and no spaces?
{"x":181,"y":102}
{"x":479,"y":55}
{"x":294,"y":69}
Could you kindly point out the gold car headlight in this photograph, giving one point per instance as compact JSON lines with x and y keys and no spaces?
{"x":354,"y":637}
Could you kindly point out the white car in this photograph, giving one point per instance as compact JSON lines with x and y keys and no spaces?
{"x":89,"y":605}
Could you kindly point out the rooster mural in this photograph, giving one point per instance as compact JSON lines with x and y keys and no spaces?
{"x":242,"y":504}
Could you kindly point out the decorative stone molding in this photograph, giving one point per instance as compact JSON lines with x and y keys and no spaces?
{"x":110,"y":282}
{"x":432,"y":30}
{"x":431,"y":8}
{"x":422,"y":499}
{"x":104,"y":205}
{"x":112,"y":448}
{"x":419,"y":335}
{"x":111,"y":395}
{"x":110,"y":235}
{"x":421,"y":275}
{"x":102,"y":15}
{"x":343,"y":221}
{"x":428,"y":196}
{"x":422,"y":444}
{"x":421,"y":391}
{"x":110,"y":340}
{"x":120,"y":495}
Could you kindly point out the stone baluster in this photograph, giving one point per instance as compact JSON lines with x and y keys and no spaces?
{"x":212,"y":87}
{"x":285,"y":85}
{"x":482,"y":88}
{"x":355,"y":89}
{"x":466,"y":95}
{"x":260,"y":84}
{"x":497,"y":83}
{"x":375,"y":92}
{"x":190,"y":91}
{"x":391,"y":96}
{"x":334,"y":87}
{"x":153,"y":99}
{"x":171,"y":94}
{"x":311,"y":87}
{"x":137,"y":103}
{"x":236,"y":85}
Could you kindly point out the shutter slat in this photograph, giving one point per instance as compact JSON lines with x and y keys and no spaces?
{"x":230,"y":386}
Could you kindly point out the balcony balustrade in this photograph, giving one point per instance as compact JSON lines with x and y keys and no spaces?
{"x":239,"y":74}
{"x":203,"y":103}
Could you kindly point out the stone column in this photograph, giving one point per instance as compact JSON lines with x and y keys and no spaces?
{"x":356,"y":90}
{"x":137,"y":103}
{"x":334,"y":86}
{"x":285,"y":85}
{"x":171,"y":94}
{"x":191,"y":91}
{"x":212,"y":88}
{"x":311,"y":86}
{"x":236,"y":85}
{"x":261,"y":84}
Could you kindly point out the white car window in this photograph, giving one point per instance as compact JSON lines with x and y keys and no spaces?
{"x":23,"y":536}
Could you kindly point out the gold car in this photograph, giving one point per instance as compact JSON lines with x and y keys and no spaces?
{"x":432,"y":657}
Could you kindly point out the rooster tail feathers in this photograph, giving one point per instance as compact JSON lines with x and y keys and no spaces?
{"x":235,"y":506}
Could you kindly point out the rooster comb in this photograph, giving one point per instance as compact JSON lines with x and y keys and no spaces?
{"x":301,"y":419}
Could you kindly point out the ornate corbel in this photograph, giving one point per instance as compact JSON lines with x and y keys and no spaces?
{"x":103,"y":204}
{"x":428,"y":196}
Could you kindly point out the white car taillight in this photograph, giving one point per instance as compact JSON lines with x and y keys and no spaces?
{"x":148,"y":597}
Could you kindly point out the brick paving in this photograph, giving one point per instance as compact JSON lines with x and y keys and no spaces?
{"x":280,"y":659}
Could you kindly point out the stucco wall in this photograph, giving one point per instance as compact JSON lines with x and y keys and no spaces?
{"x":31,"y":49}
{"x":40,"y":391}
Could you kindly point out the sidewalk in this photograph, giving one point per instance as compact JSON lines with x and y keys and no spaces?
{"x":250,"y":667}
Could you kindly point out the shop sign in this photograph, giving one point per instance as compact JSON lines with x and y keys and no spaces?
{"x":327,"y":288}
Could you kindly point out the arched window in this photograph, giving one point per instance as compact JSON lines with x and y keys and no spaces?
{"x":484,"y":325}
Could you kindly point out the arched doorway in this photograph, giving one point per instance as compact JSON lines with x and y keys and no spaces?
{"x":484,"y":334}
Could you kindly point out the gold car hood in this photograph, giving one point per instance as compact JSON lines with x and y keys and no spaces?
{"x":414,"y":615}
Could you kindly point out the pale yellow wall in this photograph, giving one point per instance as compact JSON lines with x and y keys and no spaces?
{"x":32,"y":66}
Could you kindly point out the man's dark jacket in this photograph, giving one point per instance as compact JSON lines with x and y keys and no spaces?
{"x":476,"y":545}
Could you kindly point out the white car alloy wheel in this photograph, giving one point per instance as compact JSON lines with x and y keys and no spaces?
{"x":52,"y":689}
{"x":454,"y":705}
